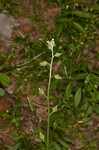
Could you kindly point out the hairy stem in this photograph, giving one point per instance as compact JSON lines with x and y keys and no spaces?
{"x":48,"y":101}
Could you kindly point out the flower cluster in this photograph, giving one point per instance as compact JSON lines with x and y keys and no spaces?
{"x":51,"y":44}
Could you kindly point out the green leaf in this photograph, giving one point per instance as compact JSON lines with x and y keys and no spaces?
{"x":89,"y":110}
{"x":2,"y":92}
{"x":77,"y":97}
{"x":56,"y":146}
{"x":44,"y":63}
{"x":56,"y":76}
{"x":79,"y":27}
{"x":61,"y":128}
{"x":80,"y":76}
{"x":16,"y":147}
{"x":68,"y":91}
{"x":96,"y":108}
{"x":85,"y":105}
{"x":42,"y":137}
{"x":82,"y":14}
{"x":92,"y":87}
{"x":4,"y":79}
{"x":68,"y":140}
{"x":72,"y":47}
{"x":14,"y":73}
{"x":97,"y":96}
{"x":94,"y":77}
{"x":64,"y":20}
{"x":64,"y":144}
{"x":54,"y":109}
{"x":57,"y":54}
{"x":41,"y":91}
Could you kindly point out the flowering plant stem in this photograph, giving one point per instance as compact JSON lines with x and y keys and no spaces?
{"x":48,"y":100}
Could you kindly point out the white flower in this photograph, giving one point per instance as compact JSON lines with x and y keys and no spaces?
{"x":51,"y":44}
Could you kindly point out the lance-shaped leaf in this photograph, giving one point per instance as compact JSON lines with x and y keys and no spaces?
{"x":57,"y":147}
{"x":82,"y":14}
{"x":56,"y":76}
{"x":42,"y":137}
{"x":79,"y":27}
{"x":16,"y":146}
{"x":64,"y":144}
{"x":4,"y":79}
{"x":68,"y":91}
{"x":77,"y":97}
{"x":57,"y":54}
{"x":44,"y":63}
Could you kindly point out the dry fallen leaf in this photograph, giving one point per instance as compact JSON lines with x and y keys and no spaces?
{"x":56,"y":67}
{"x":4,"y":105}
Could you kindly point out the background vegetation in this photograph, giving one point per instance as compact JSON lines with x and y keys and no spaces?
{"x":76,"y":95}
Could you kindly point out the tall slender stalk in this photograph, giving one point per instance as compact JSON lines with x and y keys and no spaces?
{"x":48,"y":100}
{"x":51,"y":45}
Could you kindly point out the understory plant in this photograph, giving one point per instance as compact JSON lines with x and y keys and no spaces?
{"x":51,"y":45}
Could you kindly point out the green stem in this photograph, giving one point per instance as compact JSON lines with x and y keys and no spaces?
{"x":48,"y":101}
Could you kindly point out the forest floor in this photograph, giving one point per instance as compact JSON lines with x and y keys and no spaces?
{"x":22,"y":109}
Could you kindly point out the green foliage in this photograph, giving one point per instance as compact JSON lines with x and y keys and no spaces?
{"x":78,"y":88}
{"x":4,"y":79}
{"x":2,"y":92}
{"x":79,"y":27}
{"x":68,"y":91}
{"x":16,"y":147}
{"x":77,"y":97}
{"x":77,"y":93}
